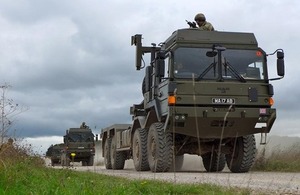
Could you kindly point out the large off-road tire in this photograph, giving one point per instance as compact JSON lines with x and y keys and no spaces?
{"x":177,"y":165}
{"x":139,"y":150}
{"x":243,"y":155}
{"x":90,"y":161}
{"x":107,"y":160}
{"x":213,"y":162}
{"x":160,"y":151}
{"x":117,"y":158}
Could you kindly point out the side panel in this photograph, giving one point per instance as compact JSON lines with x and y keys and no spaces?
{"x":163,"y":97}
{"x":122,"y":133}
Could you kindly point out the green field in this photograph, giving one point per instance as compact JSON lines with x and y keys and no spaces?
{"x":21,"y":173}
{"x":30,"y":177}
{"x":277,"y":159}
{"x":26,"y":174}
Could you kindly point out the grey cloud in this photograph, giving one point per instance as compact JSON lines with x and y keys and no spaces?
{"x":72,"y":61}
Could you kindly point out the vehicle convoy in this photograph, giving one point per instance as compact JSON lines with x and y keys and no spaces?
{"x":79,"y":146}
{"x":54,"y":153}
{"x":205,"y":93}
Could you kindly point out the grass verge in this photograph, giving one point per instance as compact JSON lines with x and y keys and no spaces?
{"x":281,"y":160}
{"x":26,"y":174}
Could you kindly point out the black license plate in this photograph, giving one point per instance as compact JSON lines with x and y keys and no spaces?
{"x":223,"y":100}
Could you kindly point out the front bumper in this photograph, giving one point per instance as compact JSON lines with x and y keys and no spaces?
{"x":214,"y":122}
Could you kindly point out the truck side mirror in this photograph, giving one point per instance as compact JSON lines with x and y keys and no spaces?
{"x":160,"y":64}
{"x":148,"y":79}
{"x":211,"y":54}
{"x":280,"y":63}
{"x":137,"y":41}
{"x":280,"y":67}
{"x":160,"y":68}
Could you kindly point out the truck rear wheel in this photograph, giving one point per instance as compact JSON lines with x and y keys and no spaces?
{"x":160,"y":152}
{"x":243,"y":155}
{"x":139,"y":150}
{"x":213,"y":162}
{"x":117,"y":158}
{"x":90,"y":161}
{"x":107,"y":160}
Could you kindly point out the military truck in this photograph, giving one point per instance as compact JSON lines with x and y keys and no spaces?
{"x":54,"y":153}
{"x":205,"y":93}
{"x":79,"y":147}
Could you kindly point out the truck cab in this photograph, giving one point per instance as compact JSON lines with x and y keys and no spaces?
{"x":79,"y":147}
{"x":205,"y":93}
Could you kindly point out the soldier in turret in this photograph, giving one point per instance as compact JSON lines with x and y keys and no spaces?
{"x":83,"y":126}
{"x":202,"y":23}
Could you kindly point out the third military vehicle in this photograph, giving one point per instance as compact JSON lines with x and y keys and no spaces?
{"x":79,"y":146}
{"x":54,"y":153}
{"x":205,"y":93}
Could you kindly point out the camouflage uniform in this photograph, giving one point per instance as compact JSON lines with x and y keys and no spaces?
{"x":83,"y":126}
{"x":202,"y":23}
{"x":206,"y":26}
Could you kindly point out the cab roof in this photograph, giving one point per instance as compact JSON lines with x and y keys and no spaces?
{"x":194,"y":37}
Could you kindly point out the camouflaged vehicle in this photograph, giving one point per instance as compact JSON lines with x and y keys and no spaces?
{"x":205,"y":93}
{"x":79,"y":147}
{"x":54,"y":153}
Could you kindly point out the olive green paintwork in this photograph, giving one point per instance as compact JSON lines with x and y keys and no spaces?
{"x":197,"y":113}
{"x":198,"y":38}
{"x":81,"y":142}
{"x":194,"y":99}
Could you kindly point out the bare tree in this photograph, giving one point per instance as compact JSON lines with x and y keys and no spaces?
{"x":9,"y":110}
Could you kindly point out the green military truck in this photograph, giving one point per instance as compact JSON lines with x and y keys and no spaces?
{"x":205,"y":93}
{"x":79,"y":147}
{"x":54,"y":153}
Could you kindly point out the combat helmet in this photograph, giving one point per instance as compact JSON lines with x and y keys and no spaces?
{"x":200,"y":17}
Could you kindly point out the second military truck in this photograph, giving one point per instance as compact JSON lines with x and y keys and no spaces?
{"x":204,"y":93}
{"x":54,"y":153}
{"x":79,"y":146}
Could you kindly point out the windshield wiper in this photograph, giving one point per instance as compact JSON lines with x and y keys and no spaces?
{"x":212,"y":65}
{"x":227,"y":64}
{"x":234,"y":72}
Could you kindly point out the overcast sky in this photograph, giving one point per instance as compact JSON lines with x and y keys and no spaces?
{"x":71,"y":61}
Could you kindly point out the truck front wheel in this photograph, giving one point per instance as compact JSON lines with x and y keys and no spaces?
{"x":90,"y":161}
{"x":213,"y":162}
{"x":139,"y":150}
{"x":159,"y":148}
{"x":107,"y":160}
{"x":243,"y":154}
{"x":117,"y":158}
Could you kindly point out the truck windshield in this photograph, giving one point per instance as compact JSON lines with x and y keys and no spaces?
{"x":80,"y":137}
{"x":236,"y":64}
